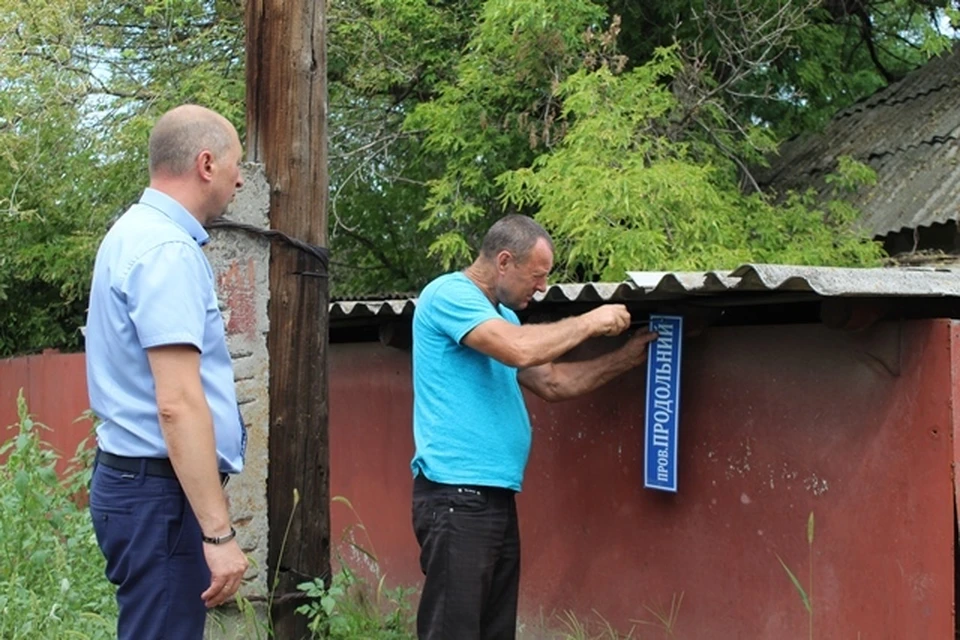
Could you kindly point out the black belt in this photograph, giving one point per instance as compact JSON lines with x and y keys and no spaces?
{"x":150,"y":466}
{"x":424,"y":483}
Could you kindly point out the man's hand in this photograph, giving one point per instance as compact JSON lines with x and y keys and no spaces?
{"x":227,"y":564}
{"x":636,"y":345}
{"x":607,"y":320}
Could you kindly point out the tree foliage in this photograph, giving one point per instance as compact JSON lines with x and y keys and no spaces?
{"x":384,"y":58}
{"x":491,"y":128}
{"x":624,"y":189}
{"x":81,"y":82}
{"x":628,"y":128}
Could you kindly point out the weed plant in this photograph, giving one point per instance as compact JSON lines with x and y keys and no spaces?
{"x":51,"y":570}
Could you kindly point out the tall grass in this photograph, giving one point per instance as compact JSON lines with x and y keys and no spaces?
{"x":51,"y":570}
{"x":806,"y":595}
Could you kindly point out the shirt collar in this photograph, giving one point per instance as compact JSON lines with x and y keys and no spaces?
{"x":176,"y":212}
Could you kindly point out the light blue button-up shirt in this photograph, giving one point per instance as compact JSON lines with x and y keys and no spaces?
{"x":153,"y":286}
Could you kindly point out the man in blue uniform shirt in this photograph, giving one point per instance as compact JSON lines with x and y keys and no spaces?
{"x":471,"y":428}
{"x":161,"y":381}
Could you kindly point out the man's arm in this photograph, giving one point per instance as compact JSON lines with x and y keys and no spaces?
{"x":187,"y":427}
{"x":557,"y":381}
{"x":535,"y":344}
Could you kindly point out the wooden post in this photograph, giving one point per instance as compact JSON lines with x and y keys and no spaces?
{"x":286,"y":131}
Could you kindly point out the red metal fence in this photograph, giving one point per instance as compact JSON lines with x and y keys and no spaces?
{"x":777,"y":422}
{"x":55,"y":387}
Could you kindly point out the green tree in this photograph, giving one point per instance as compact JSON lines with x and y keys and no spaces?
{"x":81,"y":83}
{"x":620,"y":193}
{"x":628,"y":128}
{"x":837,"y":52}
{"x":630,"y":166}
{"x":384,"y":58}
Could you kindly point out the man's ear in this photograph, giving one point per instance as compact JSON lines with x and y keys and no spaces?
{"x":503,"y":259}
{"x":204,"y":164}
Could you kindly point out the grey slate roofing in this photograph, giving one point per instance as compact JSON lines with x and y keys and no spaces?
{"x":908,"y":132}
{"x":817,"y":282}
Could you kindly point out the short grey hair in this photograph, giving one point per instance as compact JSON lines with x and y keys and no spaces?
{"x":514,"y":233}
{"x":181,"y":134}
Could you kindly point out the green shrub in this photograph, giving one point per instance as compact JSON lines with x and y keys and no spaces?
{"x":51,"y":571}
{"x":349,"y":608}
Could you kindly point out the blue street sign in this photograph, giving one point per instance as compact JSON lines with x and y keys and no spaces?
{"x":663,"y":404}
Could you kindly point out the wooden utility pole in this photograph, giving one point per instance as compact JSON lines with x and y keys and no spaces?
{"x":286,"y":131}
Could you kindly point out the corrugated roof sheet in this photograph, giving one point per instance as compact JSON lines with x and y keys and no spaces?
{"x":901,"y":282}
{"x":822,"y":281}
{"x":908,"y":132}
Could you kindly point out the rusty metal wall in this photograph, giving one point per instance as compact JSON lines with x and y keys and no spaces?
{"x":777,"y":422}
{"x":55,"y":388}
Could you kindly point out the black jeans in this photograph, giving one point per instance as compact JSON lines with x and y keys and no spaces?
{"x":470,"y":555}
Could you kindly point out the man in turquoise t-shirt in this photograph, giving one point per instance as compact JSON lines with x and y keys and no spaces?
{"x":470,"y":423}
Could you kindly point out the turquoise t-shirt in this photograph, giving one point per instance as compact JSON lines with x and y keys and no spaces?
{"x":470,"y":423}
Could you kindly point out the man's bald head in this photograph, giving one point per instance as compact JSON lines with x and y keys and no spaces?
{"x":182,"y":133}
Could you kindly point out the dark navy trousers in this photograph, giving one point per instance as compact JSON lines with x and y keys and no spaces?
{"x":152,"y":542}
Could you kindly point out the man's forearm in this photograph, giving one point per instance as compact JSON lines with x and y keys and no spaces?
{"x":531,"y":345}
{"x":577,"y":378}
{"x":187,"y":428}
{"x":542,"y":343}
{"x":188,"y":431}
{"x":567,"y":379}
